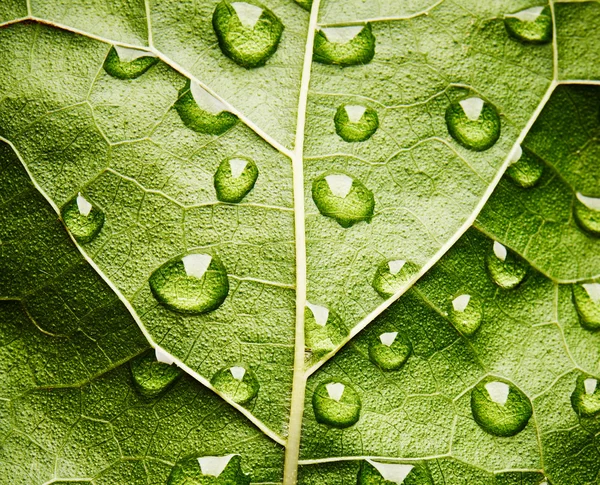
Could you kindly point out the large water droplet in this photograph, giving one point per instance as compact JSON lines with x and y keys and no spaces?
{"x":526,"y":170}
{"x":323,"y":329}
{"x":346,"y":46}
{"x":499,"y":407}
{"x":587,"y":302}
{"x":248,"y":32}
{"x":239,"y":383}
{"x":587,"y":213}
{"x":586,"y":396}
{"x":466,"y":314}
{"x":82,"y":218}
{"x":392,"y":276}
{"x":506,"y":268}
{"x":152,"y":377}
{"x":209,"y":470}
{"x":202,"y":112}
{"x":355,"y":123}
{"x":473,"y":123}
{"x":377,"y":473}
{"x":234,"y":178}
{"x":336,"y":404}
{"x":343,"y":198}
{"x":533,"y":25}
{"x":390,"y":350}
{"x":195,"y":283}
{"x":127,"y":63}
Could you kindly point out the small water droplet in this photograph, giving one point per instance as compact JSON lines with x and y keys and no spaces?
{"x":323,"y":329}
{"x":499,"y":407}
{"x":390,"y":350}
{"x":235,"y":178}
{"x":202,"y":112}
{"x":587,"y":213}
{"x":466,"y":314}
{"x":238,"y":382}
{"x":354,"y":123}
{"x":152,"y":378}
{"x":506,"y":268}
{"x":209,"y":470}
{"x":377,"y":473}
{"x":127,"y":63}
{"x":305,"y":4}
{"x":532,"y":25}
{"x":586,"y":297}
{"x":392,"y":276}
{"x":343,"y":198}
{"x":195,"y":283}
{"x":586,"y":396}
{"x":83,"y":220}
{"x":339,"y":410}
{"x":526,"y":170}
{"x":248,"y":32}
{"x":345,"y":46}
{"x":473,"y":123}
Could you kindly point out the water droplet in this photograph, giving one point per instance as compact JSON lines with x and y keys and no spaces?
{"x":239,"y":383}
{"x":533,"y":25}
{"x":323,"y":329}
{"x":587,"y":213}
{"x":355,"y":123}
{"x":152,"y":377}
{"x":466,"y":314}
{"x":390,"y":350}
{"x":345,"y":46}
{"x":377,"y":473}
{"x":83,"y":220}
{"x":127,"y":63}
{"x":195,"y":283}
{"x":336,"y":404}
{"x":473,"y":123}
{"x":506,"y":268}
{"x":392,"y":276}
{"x":499,"y":407}
{"x":248,"y":32}
{"x":234,"y":178}
{"x":209,"y":470}
{"x":202,"y":112}
{"x":305,"y":4}
{"x":586,"y":396}
{"x":587,"y":302}
{"x":526,"y":170}
{"x":343,"y":198}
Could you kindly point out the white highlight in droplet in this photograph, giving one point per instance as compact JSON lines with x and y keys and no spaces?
{"x":320,"y":313}
{"x":162,"y":356}
{"x":238,"y":373}
{"x":205,"y":100}
{"x":593,"y":290}
{"x":498,"y":391}
{"x":237,"y":166}
{"x":341,"y":35}
{"x":515,"y":155}
{"x":127,"y":54}
{"x":472,"y":107}
{"x":460,"y":303}
{"x":388,"y":338}
{"x":214,"y":465}
{"x":392,"y":472}
{"x":500,"y":251}
{"x":396,"y":266}
{"x":339,"y":184}
{"x":196,"y":264}
{"x":83,"y":205}
{"x":590,"y":385}
{"x":355,"y":112}
{"x":335,"y":390}
{"x":247,"y":13}
{"x":527,"y":15}
{"x":590,"y":202}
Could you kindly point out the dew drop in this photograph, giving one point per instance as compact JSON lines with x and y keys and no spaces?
{"x":339,"y":410}
{"x":466,"y":314}
{"x":390,"y":350}
{"x":195,"y":283}
{"x":83,"y":220}
{"x":499,"y":407}
{"x":345,"y":46}
{"x":377,"y":473}
{"x":354,"y":123}
{"x":506,"y":268}
{"x":127,"y":63}
{"x":586,"y":396}
{"x":238,"y":383}
{"x":235,"y":178}
{"x":526,"y":170}
{"x":202,"y":112}
{"x":305,"y":4}
{"x":209,"y":470}
{"x":323,"y":329}
{"x":248,"y":32}
{"x":532,"y":25}
{"x":587,"y":213}
{"x":392,"y":276}
{"x":473,"y":123}
{"x":343,"y":198}
{"x":151,"y":377}
{"x":163,"y":356}
{"x":586,"y":297}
